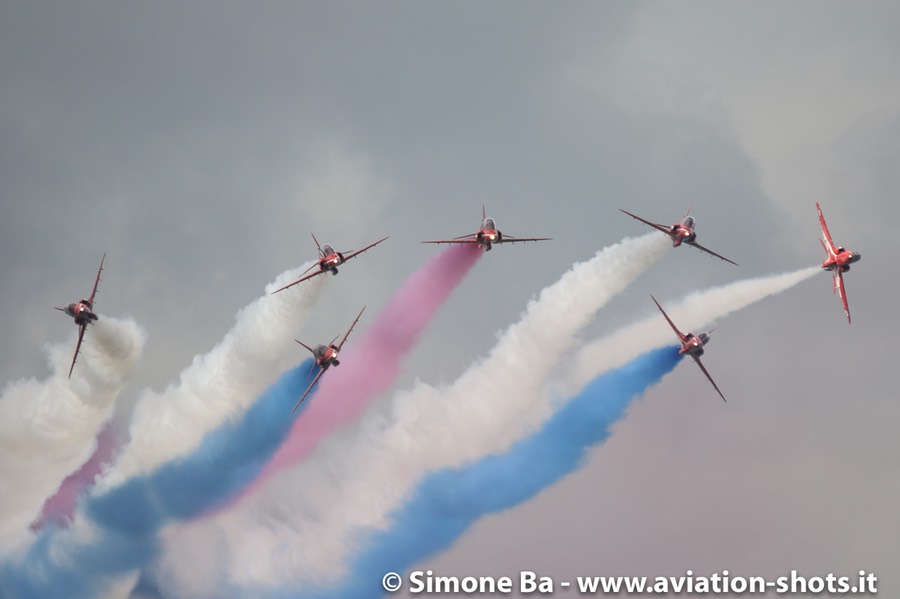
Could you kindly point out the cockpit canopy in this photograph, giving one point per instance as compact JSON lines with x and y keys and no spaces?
{"x":327,"y":250}
{"x":704,"y":338}
{"x":488,"y":223}
{"x":856,"y":256}
{"x":688,"y":222}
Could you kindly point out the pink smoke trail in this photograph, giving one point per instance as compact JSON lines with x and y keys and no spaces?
{"x":372,"y":363}
{"x":59,"y":507}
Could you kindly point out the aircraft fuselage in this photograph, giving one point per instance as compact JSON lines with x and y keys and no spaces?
{"x":487,"y":236}
{"x":693,"y":345}
{"x":330,"y":260}
{"x":682,"y":232}
{"x":842,"y":260}
{"x":81,"y":312}
{"x":326,"y":355}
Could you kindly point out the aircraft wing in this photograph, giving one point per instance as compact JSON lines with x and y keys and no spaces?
{"x":706,"y":372}
{"x":681,"y":335}
{"x":470,"y":238}
{"x":81,"y":331}
{"x":829,"y":245}
{"x":341,"y":344}
{"x":511,"y":239}
{"x":840,"y":290}
{"x":658,"y":226}
{"x":96,"y":282}
{"x":308,"y":389}
{"x":709,"y":251}
{"x":349,"y":255}
{"x":301,"y":279}
{"x":464,"y":241}
{"x":307,"y":347}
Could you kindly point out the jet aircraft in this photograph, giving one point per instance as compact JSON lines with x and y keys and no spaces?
{"x":82,"y":312}
{"x":326,"y":356}
{"x":691,"y":345}
{"x":328,"y":260}
{"x":487,"y":235}
{"x":838,"y":261}
{"x":681,"y":232}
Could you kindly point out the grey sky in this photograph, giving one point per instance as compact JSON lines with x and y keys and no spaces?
{"x":199,"y":145}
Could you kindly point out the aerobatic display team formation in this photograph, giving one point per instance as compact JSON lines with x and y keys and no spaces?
{"x":207,"y":457}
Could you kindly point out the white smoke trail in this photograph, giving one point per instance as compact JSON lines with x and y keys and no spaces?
{"x":696,"y":310}
{"x":48,"y":428}
{"x":220,"y":384}
{"x":430,"y":425}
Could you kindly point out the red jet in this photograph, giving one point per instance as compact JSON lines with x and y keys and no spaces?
{"x":838,"y":261}
{"x":329,"y":260}
{"x":325,"y":356}
{"x":82,"y":313}
{"x":488,"y":235}
{"x":691,"y":345}
{"x":681,"y":232}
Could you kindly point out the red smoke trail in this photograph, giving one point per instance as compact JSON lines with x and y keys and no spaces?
{"x":371,"y":363}
{"x":60,"y":506}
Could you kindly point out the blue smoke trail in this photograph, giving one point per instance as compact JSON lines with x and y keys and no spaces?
{"x":129,"y":517}
{"x":449,"y":501}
